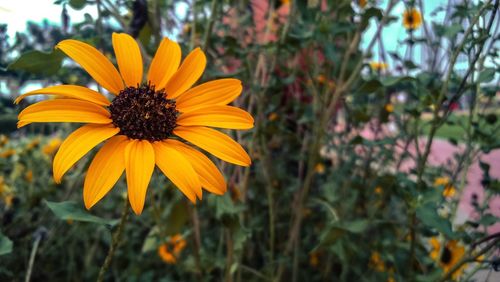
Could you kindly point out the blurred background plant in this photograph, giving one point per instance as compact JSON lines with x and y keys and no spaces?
{"x":369,"y":164}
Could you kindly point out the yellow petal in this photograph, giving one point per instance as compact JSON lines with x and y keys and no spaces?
{"x":64,"y":110}
{"x":78,"y":144}
{"x":214,"y":142}
{"x":178,"y":169}
{"x":190,"y":71}
{"x":69,"y":91}
{"x":217,"y":116}
{"x":210,"y":176}
{"x":94,"y":62}
{"x":128,"y":57}
{"x":165,"y":63}
{"x":105,"y":170}
{"x":216,"y":92}
{"x":139,"y":166}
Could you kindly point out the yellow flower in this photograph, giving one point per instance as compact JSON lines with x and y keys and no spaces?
{"x":389,"y":108}
{"x":412,"y":19}
{"x":378,"y":66}
{"x":31,"y":145}
{"x":166,"y":255}
{"x":8,"y":200}
{"x":29,"y":176}
{"x":285,"y":2}
{"x":362,"y":3}
{"x":449,"y":190}
{"x":272,"y":116}
{"x":378,"y":190}
{"x":52,"y":146}
{"x":144,"y":124}
{"x":314,"y":259}
{"x":376,"y":262}
{"x":321,"y":78}
{"x":7,"y":153}
{"x":3,"y":140}
{"x":170,"y":251}
{"x":447,"y":256}
{"x":319,"y":168}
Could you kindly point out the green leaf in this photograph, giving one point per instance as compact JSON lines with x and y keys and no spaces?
{"x":70,"y":210}
{"x":176,"y":219}
{"x":452,"y":30}
{"x":368,"y":14}
{"x":38,"y":62}
{"x":370,"y":86}
{"x":428,"y":215}
{"x":5,"y":245}
{"x":488,"y":219}
{"x":393,"y":80}
{"x":486,"y":75}
{"x":77,"y":4}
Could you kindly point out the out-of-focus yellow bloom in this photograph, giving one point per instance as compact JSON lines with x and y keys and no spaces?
{"x":449,"y":190}
{"x":272,"y":116}
{"x":52,"y":146}
{"x":378,"y":190}
{"x":285,"y":2}
{"x":6,"y":193}
{"x":29,"y":176}
{"x":378,"y":66}
{"x":321,"y":78}
{"x":314,"y":259}
{"x":31,"y":145}
{"x":389,"y":108}
{"x":7,"y":153}
{"x":186,"y":28}
{"x":319,"y":168}
{"x":170,"y":251}
{"x":412,"y":19}
{"x":376,"y":262}
{"x":3,"y":140}
{"x":448,"y":255}
{"x":362,"y":3}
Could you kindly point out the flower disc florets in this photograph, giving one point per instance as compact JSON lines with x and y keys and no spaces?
{"x":144,"y":113}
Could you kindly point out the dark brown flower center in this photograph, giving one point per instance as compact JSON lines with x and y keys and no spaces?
{"x":446,"y":256}
{"x":144,"y":113}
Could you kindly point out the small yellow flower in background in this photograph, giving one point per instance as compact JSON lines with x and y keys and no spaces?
{"x":378,"y":190}
{"x":449,"y":190}
{"x":6,"y":193}
{"x":389,"y":108}
{"x":272,"y":116}
{"x":7,"y":153}
{"x":319,"y":168}
{"x":376,"y":262}
{"x":448,"y":255}
{"x":170,"y":251}
{"x":441,"y":181}
{"x":186,"y":28}
{"x":285,"y":2}
{"x":314,"y":259}
{"x":378,"y":66}
{"x":31,"y":145}
{"x":321,"y":78}
{"x":3,"y":140}
{"x":145,"y":124}
{"x":52,"y":146}
{"x":412,"y":19}
{"x":28,"y":176}
{"x":362,"y":3}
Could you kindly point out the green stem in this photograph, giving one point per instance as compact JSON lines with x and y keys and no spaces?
{"x":114,"y":244}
